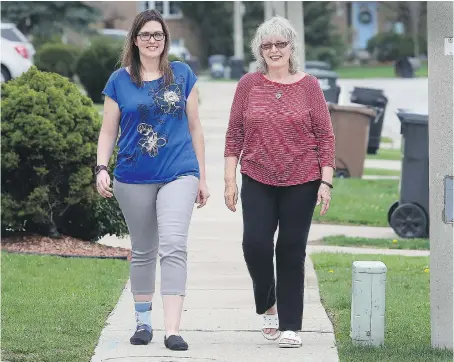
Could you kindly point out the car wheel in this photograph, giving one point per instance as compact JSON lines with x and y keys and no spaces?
{"x":5,"y":75}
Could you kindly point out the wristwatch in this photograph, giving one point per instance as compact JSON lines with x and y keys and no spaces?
{"x":99,"y":168}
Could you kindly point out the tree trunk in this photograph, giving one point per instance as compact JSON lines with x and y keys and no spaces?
{"x":415,"y":12}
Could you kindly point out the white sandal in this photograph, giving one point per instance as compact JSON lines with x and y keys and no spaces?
{"x":290,"y":339}
{"x":270,"y":321}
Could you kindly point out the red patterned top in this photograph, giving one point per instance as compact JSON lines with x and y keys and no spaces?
{"x":282,"y":132}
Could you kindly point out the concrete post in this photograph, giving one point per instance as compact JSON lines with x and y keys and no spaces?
{"x":296,"y":17}
{"x":268,"y":9}
{"x":238,"y":29}
{"x":440,"y":26}
{"x":279,"y":8}
{"x":367,"y":324}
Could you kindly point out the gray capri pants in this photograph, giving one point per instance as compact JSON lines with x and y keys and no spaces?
{"x":158,"y":217}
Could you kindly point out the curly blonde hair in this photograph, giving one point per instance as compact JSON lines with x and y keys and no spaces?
{"x":276,"y":26}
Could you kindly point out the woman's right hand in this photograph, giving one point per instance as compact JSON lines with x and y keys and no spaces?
{"x":231,"y":195}
{"x":103,"y":184}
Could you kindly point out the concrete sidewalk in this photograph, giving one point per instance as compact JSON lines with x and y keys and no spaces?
{"x":219,"y":320}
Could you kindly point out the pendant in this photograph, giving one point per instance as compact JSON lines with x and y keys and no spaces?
{"x":278,"y":94}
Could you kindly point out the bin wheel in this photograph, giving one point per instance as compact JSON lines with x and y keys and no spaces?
{"x":342,"y":173}
{"x":391,"y":210}
{"x":409,"y":221}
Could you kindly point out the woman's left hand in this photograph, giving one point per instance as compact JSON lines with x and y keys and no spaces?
{"x":202,"y":194}
{"x":324,"y":197}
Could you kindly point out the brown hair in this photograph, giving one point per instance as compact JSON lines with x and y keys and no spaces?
{"x":130,"y":56}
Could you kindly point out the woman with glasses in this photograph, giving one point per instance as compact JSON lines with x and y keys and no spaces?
{"x":280,"y":126}
{"x":160,"y":168}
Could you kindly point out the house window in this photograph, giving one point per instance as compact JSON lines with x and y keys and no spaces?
{"x":168,"y":9}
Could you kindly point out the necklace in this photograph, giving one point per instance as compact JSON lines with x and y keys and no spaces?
{"x":278,"y":92}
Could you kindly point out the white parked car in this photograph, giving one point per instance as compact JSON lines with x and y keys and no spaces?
{"x":176,"y":48}
{"x":17,"y":52}
{"x":179,"y":51}
{"x":116,"y":34}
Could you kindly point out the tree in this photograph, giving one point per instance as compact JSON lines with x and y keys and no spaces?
{"x":215,"y":22}
{"x":321,"y":37}
{"x":413,"y":16}
{"x":112,"y":17}
{"x":45,"y":19}
{"x":319,"y":29}
{"x":253,"y":16}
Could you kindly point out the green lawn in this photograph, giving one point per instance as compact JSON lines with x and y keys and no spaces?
{"x":386,"y":139}
{"x":374,"y":71}
{"x":341,"y":240}
{"x":53,"y":309}
{"x":386,"y":154}
{"x":360,"y":202}
{"x":407,"y":318}
{"x":381,"y":172}
{"x":99,"y":107}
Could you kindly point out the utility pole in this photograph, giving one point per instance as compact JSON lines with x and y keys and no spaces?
{"x":415,"y":13}
{"x":296,"y":17}
{"x":238,"y":29}
{"x":441,"y":170}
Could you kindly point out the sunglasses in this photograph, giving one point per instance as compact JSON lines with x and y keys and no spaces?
{"x":146,"y":36}
{"x":278,"y":45}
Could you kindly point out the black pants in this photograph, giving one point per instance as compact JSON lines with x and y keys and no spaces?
{"x":264,"y":207}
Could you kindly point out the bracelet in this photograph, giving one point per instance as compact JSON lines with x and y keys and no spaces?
{"x":99,"y":168}
{"x":327,"y":184}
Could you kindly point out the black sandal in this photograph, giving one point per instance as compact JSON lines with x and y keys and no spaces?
{"x":142,"y":336}
{"x":175,"y":343}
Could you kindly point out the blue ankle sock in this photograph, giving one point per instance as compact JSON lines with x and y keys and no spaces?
{"x":143,"y":314}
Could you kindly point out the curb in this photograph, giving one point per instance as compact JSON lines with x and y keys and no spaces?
{"x":67,"y":255}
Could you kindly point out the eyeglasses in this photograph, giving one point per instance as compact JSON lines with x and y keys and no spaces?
{"x":158,"y":36}
{"x":278,"y":45}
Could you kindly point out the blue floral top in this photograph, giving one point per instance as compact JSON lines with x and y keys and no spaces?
{"x":155,"y":145}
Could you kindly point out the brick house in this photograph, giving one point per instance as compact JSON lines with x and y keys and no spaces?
{"x":357,"y":21}
{"x":120,"y":15}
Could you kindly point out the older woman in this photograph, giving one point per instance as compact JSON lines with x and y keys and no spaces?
{"x":281,"y":127}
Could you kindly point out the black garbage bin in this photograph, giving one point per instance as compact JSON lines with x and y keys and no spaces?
{"x":217,"y":63}
{"x":403,"y":68}
{"x":327,"y":80}
{"x":372,"y":98}
{"x":236,"y":67}
{"x":409,"y":217}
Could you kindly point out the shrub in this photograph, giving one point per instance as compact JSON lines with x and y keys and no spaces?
{"x":58,"y":58}
{"x":49,"y":144}
{"x":324,"y":54}
{"x":93,"y":221}
{"x":391,"y":46}
{"x":96,"y":64}
{"x":173,"y":58}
